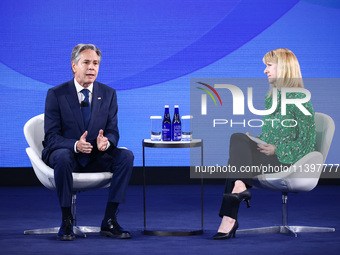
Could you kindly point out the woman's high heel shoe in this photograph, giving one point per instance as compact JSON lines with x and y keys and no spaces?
{"x":232,"y":232}
{"x":244,"y":196}
{"x":239,"y":197}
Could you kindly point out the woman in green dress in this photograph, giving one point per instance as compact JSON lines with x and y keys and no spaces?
{"x":287,"y":138}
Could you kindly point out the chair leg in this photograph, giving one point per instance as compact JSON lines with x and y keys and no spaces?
{"x":88,"y":229}
{"x":42,"y":231}
{"x":80,"y":231}
{"x":285,"y":229}
{"x":74,"y":208}
{"x":307,"y":229}
{"x":288,"y":230}
{"x":263,"y":230}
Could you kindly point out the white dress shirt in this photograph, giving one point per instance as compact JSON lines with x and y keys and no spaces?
{"x":80,"y":94}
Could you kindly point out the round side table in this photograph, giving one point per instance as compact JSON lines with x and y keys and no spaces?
{"x":171,"y":144}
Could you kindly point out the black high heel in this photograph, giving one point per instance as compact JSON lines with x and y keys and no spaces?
{"x":232,"y":232}
{"x":244,"y":196}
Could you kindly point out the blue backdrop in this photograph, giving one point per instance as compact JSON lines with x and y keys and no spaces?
{"x":151,"y":49}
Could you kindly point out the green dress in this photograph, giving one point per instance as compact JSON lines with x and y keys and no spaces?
{"x":293,"y":139}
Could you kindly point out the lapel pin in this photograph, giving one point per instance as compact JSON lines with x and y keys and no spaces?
{"x":99,"y":98}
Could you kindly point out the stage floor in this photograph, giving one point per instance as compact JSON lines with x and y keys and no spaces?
{"x":169,"y":208}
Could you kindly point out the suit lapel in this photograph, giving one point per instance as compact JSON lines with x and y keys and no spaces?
{"x":73,"y":101}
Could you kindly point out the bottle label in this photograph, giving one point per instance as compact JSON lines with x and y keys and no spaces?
{"x":177,"y":132}
{"x":166,"y":132}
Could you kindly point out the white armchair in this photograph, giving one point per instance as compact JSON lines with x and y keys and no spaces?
{"x":34,"y":134}
{"x":299,"y":178}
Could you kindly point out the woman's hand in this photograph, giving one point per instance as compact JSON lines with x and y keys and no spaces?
{"x":267,"y":149}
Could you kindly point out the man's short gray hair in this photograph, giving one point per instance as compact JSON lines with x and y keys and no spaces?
{"x":75,"y":56}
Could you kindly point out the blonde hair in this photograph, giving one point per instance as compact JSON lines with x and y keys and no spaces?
{"x":288,"y":68}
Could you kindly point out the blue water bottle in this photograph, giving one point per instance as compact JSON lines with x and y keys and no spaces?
{"x":176,"y":126}
{"x":166,"y":126}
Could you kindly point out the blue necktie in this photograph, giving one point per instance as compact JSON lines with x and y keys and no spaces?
{"x":86,"y":108}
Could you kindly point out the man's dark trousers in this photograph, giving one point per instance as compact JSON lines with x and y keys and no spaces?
{"x":115,"y":160}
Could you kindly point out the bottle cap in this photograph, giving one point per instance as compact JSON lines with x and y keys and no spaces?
{"x":156,"y":117}
{"x":187,"y":117}
{"x":176,"y":106}
{"x":166,"y":106}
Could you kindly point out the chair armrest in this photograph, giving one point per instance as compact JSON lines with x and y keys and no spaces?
{"x":302,"y":176}
{"x":44,"y":173}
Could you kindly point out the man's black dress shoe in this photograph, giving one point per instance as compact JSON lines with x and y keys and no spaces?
{"x":111,"y":228}
{"x":66,"y":230}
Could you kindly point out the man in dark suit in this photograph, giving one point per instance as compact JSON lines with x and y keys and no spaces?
{"x":81,"y":135}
